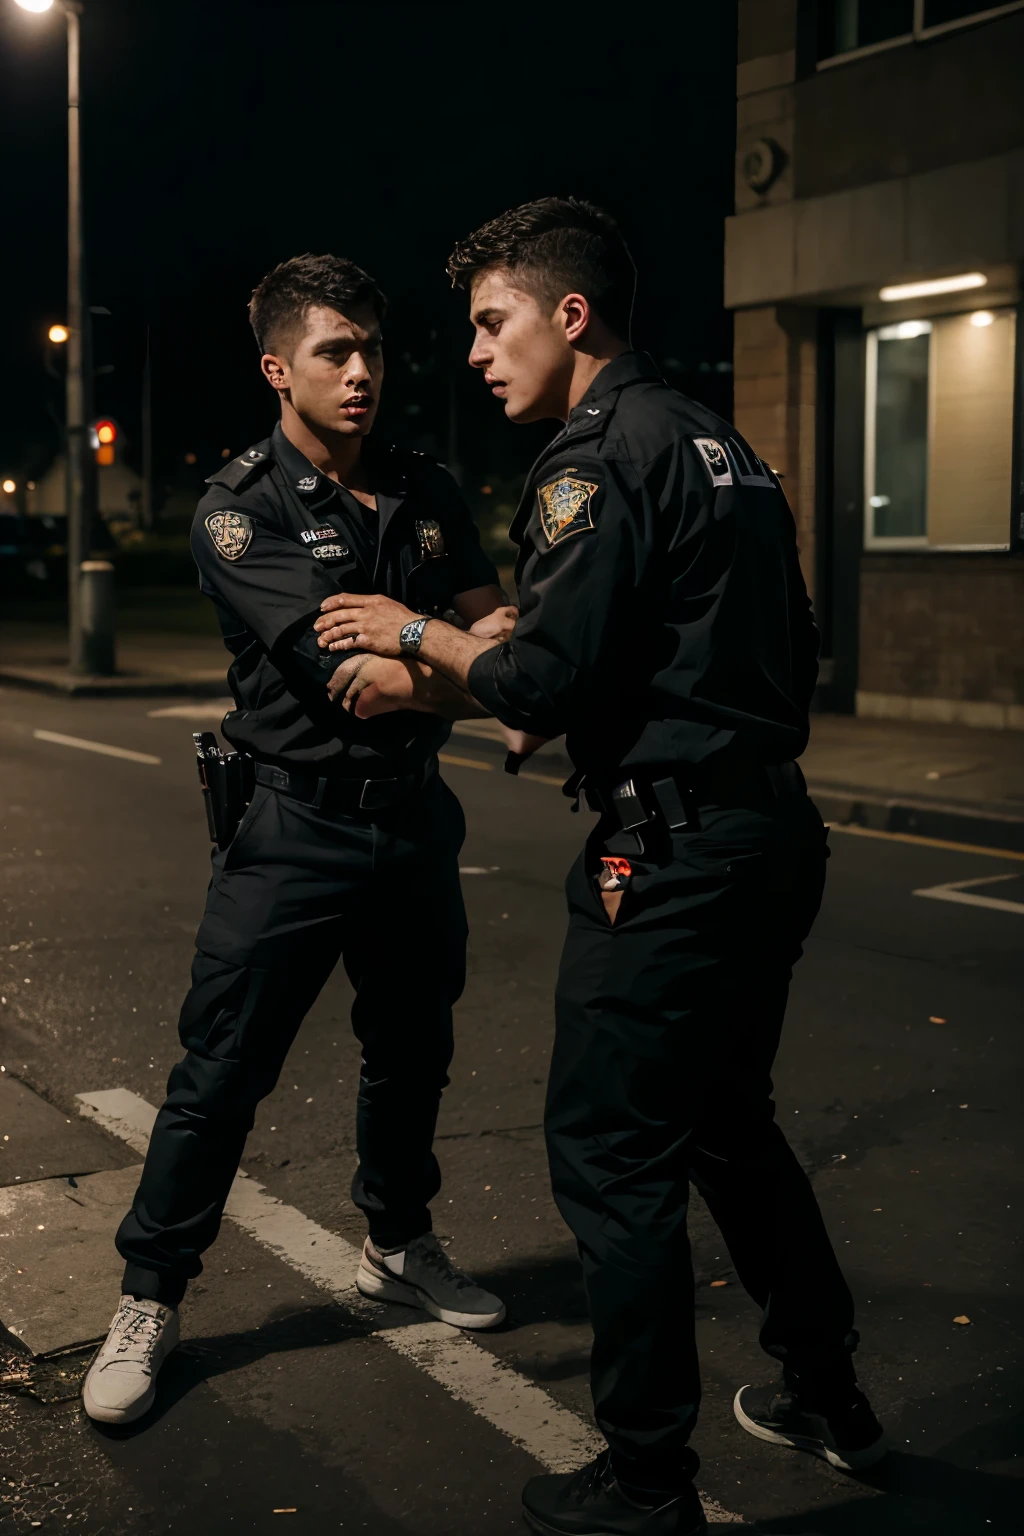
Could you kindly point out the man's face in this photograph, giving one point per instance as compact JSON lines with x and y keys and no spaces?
{"x":523,"y":351}
{"x":334,"y":373}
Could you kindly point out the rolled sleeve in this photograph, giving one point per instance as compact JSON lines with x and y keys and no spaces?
{"x":271,"y":582}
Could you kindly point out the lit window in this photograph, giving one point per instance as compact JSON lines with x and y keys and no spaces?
{"x":939,"y":432}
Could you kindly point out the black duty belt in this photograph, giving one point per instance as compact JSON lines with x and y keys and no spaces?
{"x":335,"y":793}
{"x":650,"y":801}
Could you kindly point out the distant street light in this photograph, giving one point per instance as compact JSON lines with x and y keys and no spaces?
{"x":9,"y":487}
{"x":73,"y":335}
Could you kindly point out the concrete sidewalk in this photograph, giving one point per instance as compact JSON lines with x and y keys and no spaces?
{"x":941,"y":781}
{"x":150,"y":663}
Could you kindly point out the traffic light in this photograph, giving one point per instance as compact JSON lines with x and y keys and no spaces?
{"x":103,"y":437}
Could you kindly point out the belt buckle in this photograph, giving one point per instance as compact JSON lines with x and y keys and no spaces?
{"x":371,"y":801}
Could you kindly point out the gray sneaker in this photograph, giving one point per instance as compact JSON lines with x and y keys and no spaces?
{"x":121,"y":1384}
{"x":422,"y":1275}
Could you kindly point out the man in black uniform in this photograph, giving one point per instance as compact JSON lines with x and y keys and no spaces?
{"x":665,"y":629}
{"x":349,"y":830}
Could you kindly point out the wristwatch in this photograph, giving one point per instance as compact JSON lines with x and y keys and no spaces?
{"x":411,"y":636}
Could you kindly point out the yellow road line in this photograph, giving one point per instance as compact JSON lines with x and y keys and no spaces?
{"x":464,"y":762}
{"x":927,"y":842}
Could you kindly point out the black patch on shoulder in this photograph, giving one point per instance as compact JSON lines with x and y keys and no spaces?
{"x":236,"y":475}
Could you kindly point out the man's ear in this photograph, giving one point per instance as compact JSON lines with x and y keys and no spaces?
{"x":275,"y":371}
{"x":575,"y":312}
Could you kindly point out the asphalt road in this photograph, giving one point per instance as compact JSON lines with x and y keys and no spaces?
{"x":898,"y":1083}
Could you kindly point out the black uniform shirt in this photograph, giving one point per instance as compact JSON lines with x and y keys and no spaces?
{"x":663,"y":613}
{"x":272,"y":538}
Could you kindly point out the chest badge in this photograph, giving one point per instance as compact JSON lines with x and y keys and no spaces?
{"x":307,"y":483}
{"x":565,"y":507}
{"x":314,"y":535}
{"x":330,"y":551}
{"x":231,"y":533}
{"x":431,"y":538}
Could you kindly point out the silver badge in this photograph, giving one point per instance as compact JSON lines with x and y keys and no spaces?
{"x":716,"y":460}
{"x":431,"y":538}
{"x":314,"y":535}
{"x":231,"y":533}
{"x":330,"y":551}
{"x":307,"y":483}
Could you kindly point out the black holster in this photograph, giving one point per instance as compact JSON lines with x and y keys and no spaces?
{"x":227,"y":780}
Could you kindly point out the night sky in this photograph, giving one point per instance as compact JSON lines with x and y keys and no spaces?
{"x":220,"y":138}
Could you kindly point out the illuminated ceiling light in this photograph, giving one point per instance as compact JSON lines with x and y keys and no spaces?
{"x":906,"y":330}
{"x":982,"y":317}
{"x":935,"y":285}
{"x":58,"y":333}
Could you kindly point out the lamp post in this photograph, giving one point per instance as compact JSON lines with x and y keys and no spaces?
{"x":76,"y":312}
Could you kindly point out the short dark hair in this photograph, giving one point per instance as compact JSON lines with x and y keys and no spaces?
{"x":555,"y":246}
{"x":279,"y":303}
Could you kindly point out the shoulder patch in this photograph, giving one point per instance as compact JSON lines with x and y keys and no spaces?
{"x":231,"y":533}
{"x":716,"y":460}
{"x":565,"y":506}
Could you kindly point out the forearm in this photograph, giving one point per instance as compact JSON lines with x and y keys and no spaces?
{"x":382,"y":686}
{"x":435,"y":694}
{"x":452,"y":652}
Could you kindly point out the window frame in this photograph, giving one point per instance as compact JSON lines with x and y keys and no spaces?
{"x":872,"y":541}
{"x":920,"y":33}
{"x":879,"y":544}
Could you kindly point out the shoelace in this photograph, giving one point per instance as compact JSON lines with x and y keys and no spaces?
{"x":589,"y":1479}
{"x":436,"y":1258}
{"x":140,"y":1332}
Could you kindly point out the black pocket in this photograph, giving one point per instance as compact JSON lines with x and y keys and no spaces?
{"x":430,"y":585}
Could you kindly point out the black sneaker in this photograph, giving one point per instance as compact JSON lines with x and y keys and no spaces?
{"x":847,"y":1435}
{"x":591,"y":1503}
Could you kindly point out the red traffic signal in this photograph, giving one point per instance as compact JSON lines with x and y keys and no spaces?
{"x":103,"y":436}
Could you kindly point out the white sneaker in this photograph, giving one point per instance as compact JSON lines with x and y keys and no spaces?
{"x":121,"y":1384}
{"x":422,"y":1275}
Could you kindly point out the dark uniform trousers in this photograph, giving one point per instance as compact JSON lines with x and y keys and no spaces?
{"x":667,"y":1025}
{"x":296,"y":889}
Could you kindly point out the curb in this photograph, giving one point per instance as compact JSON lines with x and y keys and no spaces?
{"x":125,"y":686}
{"x":977,"y":824}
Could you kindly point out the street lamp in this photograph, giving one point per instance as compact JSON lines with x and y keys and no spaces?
{"x":58,"y":334}
{"x":75,"y":339}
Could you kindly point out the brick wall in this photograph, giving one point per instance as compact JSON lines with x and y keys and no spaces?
{"x":945,"y":627}
{"x":774,"y":382}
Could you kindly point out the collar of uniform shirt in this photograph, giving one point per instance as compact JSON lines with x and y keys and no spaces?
{"x":627,"y":368}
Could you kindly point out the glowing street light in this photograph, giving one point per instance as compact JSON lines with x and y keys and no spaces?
{"x":9,"y":487}
{"x":56,"y":333}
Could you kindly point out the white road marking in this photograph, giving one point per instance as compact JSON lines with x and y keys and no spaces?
{"x":554,"y":1436}
{"x":200,"y":710}
{"x":961,"y":891}
{"x":96,"y":746}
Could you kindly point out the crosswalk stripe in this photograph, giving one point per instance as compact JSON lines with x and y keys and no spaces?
{"x":554,"y":1436}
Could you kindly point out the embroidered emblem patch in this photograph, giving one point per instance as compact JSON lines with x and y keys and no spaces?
{"x":330,"y":551}
{"x":565,"y":507}
{"x":431,"y":539}
{"x":313,"y":535}
{"x":231,"y":533}
{"x":307,"y":483}
{"x":716,"y":460}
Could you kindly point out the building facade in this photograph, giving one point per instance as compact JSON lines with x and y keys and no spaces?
{"x":874,"y":267}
